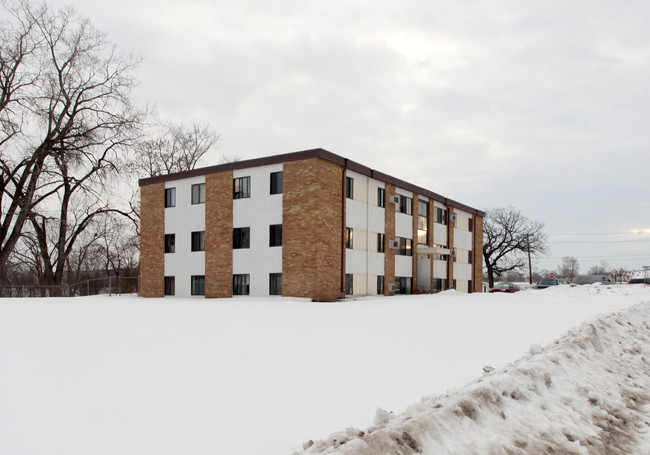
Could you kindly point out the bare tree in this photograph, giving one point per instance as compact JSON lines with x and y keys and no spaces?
{"x":601,"y":269}
{"x":507,"y":237}
{"x":66,"y":116}
{"x":569,"y":268}
{"x":176,"y":147}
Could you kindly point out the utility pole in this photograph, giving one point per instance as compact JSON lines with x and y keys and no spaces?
{"x":530,"y":266}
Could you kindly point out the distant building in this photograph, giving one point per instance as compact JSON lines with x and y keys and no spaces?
{"x":306,"y":224}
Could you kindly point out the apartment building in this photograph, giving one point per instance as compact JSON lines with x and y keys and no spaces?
{"x":305,"y":224}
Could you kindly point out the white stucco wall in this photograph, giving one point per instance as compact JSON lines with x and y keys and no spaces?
{"x":182,"y":220}
{"x":258,"y":212}
{"x":403,"y":266}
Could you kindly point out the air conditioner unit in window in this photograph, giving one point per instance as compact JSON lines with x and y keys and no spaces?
{"x":452,"y":253}
{"x":393,"y":287}
{"x":393,"y":244}
{"x":393,"y":199}
{"x":452,"y":217}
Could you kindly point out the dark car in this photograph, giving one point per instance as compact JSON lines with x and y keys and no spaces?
{"x":639,"y":281}
{"x":548,"y":282}
{"x":505,"y":287}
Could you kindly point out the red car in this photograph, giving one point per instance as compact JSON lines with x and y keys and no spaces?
{"x":505,"y":287}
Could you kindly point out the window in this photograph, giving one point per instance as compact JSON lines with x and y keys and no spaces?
{"x":170,"y":197}
{"x":198,"y":241}
{"x":441,"y":215}
{"x":348,"y":237}
{"x":406,"y":205}
{"x":349,"y":284}
{"x":469,"y":287}
{"x":170,"y":243}
{"x":275,"y":235}
{"x":454,"y":286}
{"x":241,"y":284}
{"x":198,"y":285}
{"x":241,"y":187}
{"x":469,"y":257}
{"x":380,"y":284}
{"x":404,"y":284}
{"x":275,"y":284}
{"x":198,"y":193}
{"x":469,"y":225}
{"x":381,"y":197}
{"x":241,"y":238}
{"x":381,"y":245}
{"x":439,"y":284}
{"x":276,"y":182}
{"x":170,"y":285}
{"x":423,"y":222}
{"x":405,"y":247}
{"x":349,"y":187}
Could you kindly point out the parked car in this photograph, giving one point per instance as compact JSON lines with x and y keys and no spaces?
{"x":548,"y":282}
{"x":639,"y":281}
{"x":505,"y":287}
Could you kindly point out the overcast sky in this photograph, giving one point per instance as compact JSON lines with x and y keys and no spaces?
{"x":540,"y":105}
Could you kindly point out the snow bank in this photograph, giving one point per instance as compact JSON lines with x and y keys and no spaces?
{"x":583,"y":394}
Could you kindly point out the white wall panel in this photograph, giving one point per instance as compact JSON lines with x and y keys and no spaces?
{"x":403,"y":225}
{"x":462,"y":271}
{"x":462,"y":239}
{"x":440,"y":234}
{"x":403,"y":266}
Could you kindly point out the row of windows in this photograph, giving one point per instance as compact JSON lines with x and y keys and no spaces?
{"x":240,"y":284}
{"x":402,"y":246}
{"x":241,"y":188}
{"x":404,"y":284}
{"x":241,"y":238}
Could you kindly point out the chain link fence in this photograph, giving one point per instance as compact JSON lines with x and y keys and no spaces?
{"x":114,"y":285}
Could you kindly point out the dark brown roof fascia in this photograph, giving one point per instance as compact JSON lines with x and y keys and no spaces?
{"x":305,"y":155}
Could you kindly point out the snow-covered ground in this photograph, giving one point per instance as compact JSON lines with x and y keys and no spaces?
{"x":106,"y":375}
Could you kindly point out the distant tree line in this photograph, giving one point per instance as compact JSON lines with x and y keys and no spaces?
{"x":72,"y":145}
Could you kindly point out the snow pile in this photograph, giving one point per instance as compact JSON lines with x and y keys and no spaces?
{"x":584,"y":394}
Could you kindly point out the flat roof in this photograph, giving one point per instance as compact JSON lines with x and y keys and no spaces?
{"x":306,"y":155}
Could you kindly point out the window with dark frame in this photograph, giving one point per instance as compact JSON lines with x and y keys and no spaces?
{"x":470,"y":224}
{"x":170,"y":243}
{"x":381,"y":245}
{"x":275,"y":284}
{"x":405,"y":247}
{"x":198,"y":193}
{"x":349,"y":187}
{"x":469,"y":257}
{"x":198,"y":241}
{"x":381,"y":197}
{"x":406,"y":205}
{"x":241,"y":284}
{"x":170,"y":197}
{"x":441,"y":215}
{"x":469,"y":287}
{"x":170,"y":285}
{"x":198,"y":285}
{"x":349,"y":237}
{"x":423,"y":222}
{"x":276,"y":182}
{"x":241,"y":238}
{"x":275,"y":235}
{"x":380,"y":284}
{"x":241,"y":187}
{"x":404,"y":283}
{"x":349,"y":284}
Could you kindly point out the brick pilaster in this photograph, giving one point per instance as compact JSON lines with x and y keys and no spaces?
{"x":477,"y":260}
{"x":218,"y":235}
{"x":312,"y":233}
{"x":389,"y":229}
{"x":450,"y":245}
{"x":152,"y":240}
{"x":414,"y":269}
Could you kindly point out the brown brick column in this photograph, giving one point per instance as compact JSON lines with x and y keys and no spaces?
{"x":389,"y":229}
{"x":430,"y":241}
{"x":414,"y":269}
{"x":312,"y":239}
{"x":450,"y":245}
{"x":152,"y":240}
{"x":218,"y":235}
{"x":477,"y":260}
